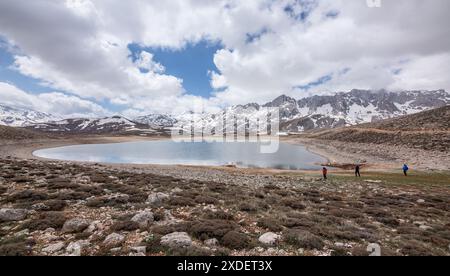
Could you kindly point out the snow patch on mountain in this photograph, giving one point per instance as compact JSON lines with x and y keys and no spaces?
{"x":21,"y":117}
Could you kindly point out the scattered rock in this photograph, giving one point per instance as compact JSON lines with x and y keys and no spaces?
{"x":139,"y":250}
{"x":53,"y":248}
{"x":113,"y":240}
{"x":76,"y":248}
{"x":137,"y":254}
{"x":269,"y":238}
{"x":176,"y":240}
{"x":144,"y":219}
{"x":115,"y":250}
{"x":373,"y":181}
{"x":157,"y":198}
{"x":212,"y":242}
{"x":13,"y":214}
{"x":75,"y":225}
{"x":420,"y":201}
{"x":94,"y":226}
{"x":425,"y":227}
{"x":176,"y":190}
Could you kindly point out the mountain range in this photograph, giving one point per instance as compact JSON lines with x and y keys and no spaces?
{"x":311,"y":113}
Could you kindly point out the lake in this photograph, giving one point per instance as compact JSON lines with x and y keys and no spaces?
{"x":241,"y":154}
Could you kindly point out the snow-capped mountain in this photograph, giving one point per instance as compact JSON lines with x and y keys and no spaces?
{"x":115,"y":124}
{"x":342,"y":109}
{"x":20,"y":117}
{"x":157,"y":120}
{"x":361,"y":106}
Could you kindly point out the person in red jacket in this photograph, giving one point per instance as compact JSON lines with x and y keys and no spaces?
{"x":325,"y":172}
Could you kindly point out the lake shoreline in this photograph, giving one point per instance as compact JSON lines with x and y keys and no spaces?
{"x":339,"y":155}
{"x":337,"y":214}
{"x":205,"y":153}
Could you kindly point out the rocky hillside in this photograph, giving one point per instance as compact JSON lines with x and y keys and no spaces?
{"x":324,"y":112}
{"x":432,"y":120}
{"x":108,"y":125}
{"x":157,"y":120}
{"x":429,"y":130}
{"x":11,"y":133}
{"x":20,"y":117}
{"x":312,"y":113}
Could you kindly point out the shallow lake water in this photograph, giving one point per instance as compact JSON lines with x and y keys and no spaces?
{"x":241,"y":154}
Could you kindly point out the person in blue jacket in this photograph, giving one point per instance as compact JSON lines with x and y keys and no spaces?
{"x":405,"y":169}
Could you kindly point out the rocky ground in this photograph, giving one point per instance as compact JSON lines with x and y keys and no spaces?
{"x":425,"y":132}
{"x":61,"y":208}
{"x":375,"y":156}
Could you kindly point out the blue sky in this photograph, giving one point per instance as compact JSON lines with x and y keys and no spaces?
{"x":192,"y":64}
{"x":267,"y":48}
{"x":9,"y":75}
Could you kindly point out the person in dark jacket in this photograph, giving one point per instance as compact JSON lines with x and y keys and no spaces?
{"x":405,"y":169}
{"x":358,"y":171}
{"x":325,"y":173}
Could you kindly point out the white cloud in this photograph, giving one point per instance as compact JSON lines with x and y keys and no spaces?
{"x":81,"y":47}
{"x":145,"y":61}
{"x":54,"y":103}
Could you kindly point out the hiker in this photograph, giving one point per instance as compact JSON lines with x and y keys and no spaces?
{"x":357,"y":171}
{"x":325,"y":172}
{"x":405,"y":169}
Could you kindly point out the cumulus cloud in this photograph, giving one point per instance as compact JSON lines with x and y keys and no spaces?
{"x":295,"y":47}
{"x":54,"y":103}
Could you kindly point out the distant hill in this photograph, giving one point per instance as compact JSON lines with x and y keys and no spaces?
{"x":436,"y":119}
{"x":20,"y":117}
{"x":12,"y":133}
{"x":429,"y":130}
{"x":107,"y":125}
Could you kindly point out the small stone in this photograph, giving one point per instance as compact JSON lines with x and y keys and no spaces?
{"x":75,"y":225}
{"x":212,"y":242}
{"x":115,"y":250}
{"x":94,"y":226}
{"x":144,"y":219}
{"x":49,"y":230}
{"x":76,"y":248}
{"x":176,"y":190}
{"x":269,"y":238}
{"x":420,"y":201}
{"x":53,"y":248}
{"x":24,"y":232}
{"x":157,"y":198}
{"x":425,"y":227}
{"x":137,"y":255}
{"x":139,"y":249}
{"x":114,"y":240}
{"x":339,"y":244}
{"x":13,"y":214}
{"x":176,"y":240}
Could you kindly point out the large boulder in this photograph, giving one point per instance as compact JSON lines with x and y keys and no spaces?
{"x":269,"y":239}
{"x":76,"y":248}
{"x":114,"y":240}
{"x":13,"y":214}
{"x":53,"y":248}
{"x":144,"y":219}
{"x":75,"y":225}
{"x":176,"y":240}
{"x":157,"y":198}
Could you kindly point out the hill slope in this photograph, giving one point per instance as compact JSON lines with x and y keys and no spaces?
{"x":427,"y":130}
{"x":12,"y":133}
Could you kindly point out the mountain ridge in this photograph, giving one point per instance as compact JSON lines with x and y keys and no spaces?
{"x":311,"y":113}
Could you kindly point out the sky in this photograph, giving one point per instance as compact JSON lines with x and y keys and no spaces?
{"x":96,"y":58}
